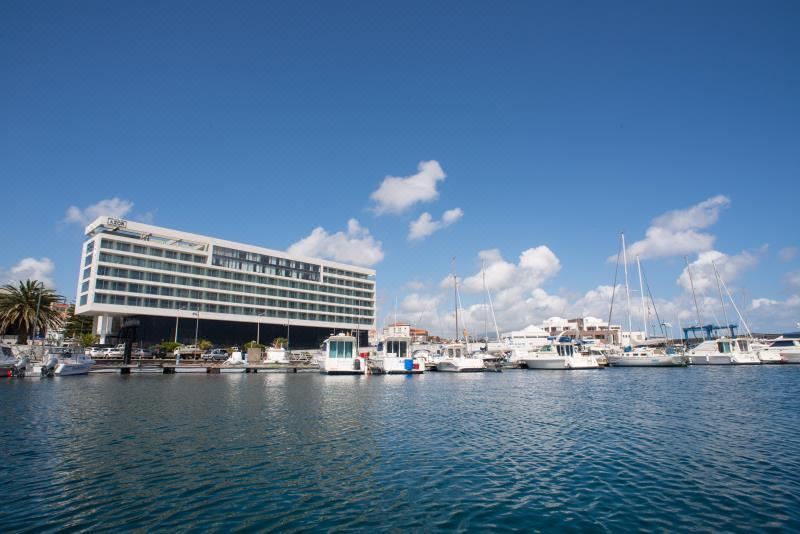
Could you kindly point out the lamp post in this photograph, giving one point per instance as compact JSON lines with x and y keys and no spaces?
{"x":258,"y":328}
{"x":196,"y":326}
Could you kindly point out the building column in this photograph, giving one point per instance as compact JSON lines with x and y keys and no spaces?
{"x":102,"y":326}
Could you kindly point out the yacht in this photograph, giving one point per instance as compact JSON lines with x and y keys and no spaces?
{"x":786,"y":346}
{"x":74,"y":364}
{"x":339,"y":356}
{"x":7,"y":358}
{"x":723,"y":351}
{"x":646,"y":357}
{"x":455,"y":360}
{"x":561,"y":353}
{"x":393,"y":358}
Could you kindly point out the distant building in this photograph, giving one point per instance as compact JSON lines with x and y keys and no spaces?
{"x":171,"y":284}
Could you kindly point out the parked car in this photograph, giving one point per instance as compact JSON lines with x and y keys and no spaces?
{"x":95,"y":351}
{"x":158,"y":351}
{"x":114,"y":352}
{"x":215,"y":355}
{"x":141,"y":353}
{"x":188,"y":351}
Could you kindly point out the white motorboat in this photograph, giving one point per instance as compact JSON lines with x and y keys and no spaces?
{"x":74,"y":364}
{"x":455,"y":360}
{"x":560,"y":354}
{"x":339,"y":356}
{"x":786,"y":346}
{"x":723,"y":351}
{"x":7,"y":358}
{"x":275,"y":355}
{"x":646,"y":357}
{"x":393,"y":358}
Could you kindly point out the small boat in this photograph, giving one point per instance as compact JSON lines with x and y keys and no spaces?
{"x":339,"y":356}
{"x":560,"y":354}
{"x":786,"y":346}
{"x":235,"y":364}
{"x":455,"y":360}
{"x":723,"y":351}
{"x":392,"y":357}
{"x":646,"y":357}
{"x":74,"y":364}
{"x":275,"y":355}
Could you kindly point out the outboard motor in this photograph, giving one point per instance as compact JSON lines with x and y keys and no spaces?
{"x":20,"y":366}
{"x":49,"y":366}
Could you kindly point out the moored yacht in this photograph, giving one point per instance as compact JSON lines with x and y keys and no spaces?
{"x":646,"y":357}
{"x":340,"y":356}
{"x":455,"y":360}
{"x":74,"y":364}
{"x":723,"y":351}
{"x":393,"y":358}
{"x":561,"y":353}
{"x":786,"y":346}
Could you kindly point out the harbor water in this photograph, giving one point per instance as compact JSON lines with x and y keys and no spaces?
{"x":616,"y":449}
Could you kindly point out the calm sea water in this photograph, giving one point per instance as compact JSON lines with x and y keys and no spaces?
{"x":617,"y":449}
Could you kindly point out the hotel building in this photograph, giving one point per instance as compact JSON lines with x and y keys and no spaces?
{"x":171,"y":284}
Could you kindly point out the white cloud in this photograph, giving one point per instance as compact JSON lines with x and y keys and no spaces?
{"x":675,"y":233}
{"x":729,"y":268}
{"x":425,"y":225}
{"x":111,"y":207}
{"x":534,"y":267}
{"x":397,"y":194}
{"x":793,"y":279}
{"x":787,"y":253}
{"x":31,"y":268}
{"x":356,"y":245}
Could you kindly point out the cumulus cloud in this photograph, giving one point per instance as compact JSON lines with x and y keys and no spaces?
{"x":425,"y":225}
{"x":31,"y":268}
{"x":675,"y":233}
{"x":535,"y":265}
{"x":111,"y":207}
{"x":729,"y":268}
{"x":793,"y":279}
{"x":356,"y":246}
{"x":397,"y":194}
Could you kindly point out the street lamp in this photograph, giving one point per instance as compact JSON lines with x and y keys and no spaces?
{"x":258,"y":329}
{"x":196,"y":326}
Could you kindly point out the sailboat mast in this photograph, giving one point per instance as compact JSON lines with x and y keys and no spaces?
{"x":722,"y":300}
{"x":455,"y":295}
{"x":694,"y":296}
{"x":627,"y":288}
{"x":641,"y":291}
{"x":735,"y":307}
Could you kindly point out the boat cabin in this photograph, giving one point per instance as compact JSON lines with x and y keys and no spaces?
{"x":397,"y":347}
{"x":341,"y":346}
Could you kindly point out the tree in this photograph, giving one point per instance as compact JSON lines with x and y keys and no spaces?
{"x":25,"y":304}
{"x":253,"y":345}
{"x":87,"y":340}
{"x":170,"y":346}
{"x":204,"y":344}
{"x":77,"y":324}
{"x":279,"y":342}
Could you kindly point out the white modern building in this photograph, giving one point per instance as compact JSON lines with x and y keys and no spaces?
{"x":172,"y":284}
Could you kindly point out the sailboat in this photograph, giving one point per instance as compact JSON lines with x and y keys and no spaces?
{"x":640,"y":356}
{"x":456,"y":357}
{"x":734,"y":350}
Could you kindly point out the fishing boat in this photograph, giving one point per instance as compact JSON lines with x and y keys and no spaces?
{"x":392,"y":357}
{"x":74,"y":364}
{"x":339,"y":356}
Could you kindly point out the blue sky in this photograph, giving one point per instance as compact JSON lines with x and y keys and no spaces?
{"x":556,"y":125}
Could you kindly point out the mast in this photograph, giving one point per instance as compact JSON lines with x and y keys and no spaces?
{"x":733,"y":302}
{"x":455,"y":295}
{"x":694,"y":296}
{"x":641,"y":292}
{"x":485,"y":314}
{"x":722,"y":300}
{"x":627,"y":288}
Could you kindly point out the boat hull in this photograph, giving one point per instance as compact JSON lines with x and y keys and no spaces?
{"x":720,"y":359}
{"x":548,"y":364}
{"x":71,"y":369}
{"x":648,"y":361}
{"x":790,"y":357}
{"x":462,"y":365}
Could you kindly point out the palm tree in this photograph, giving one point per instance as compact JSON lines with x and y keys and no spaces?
{"x":28,"y":303}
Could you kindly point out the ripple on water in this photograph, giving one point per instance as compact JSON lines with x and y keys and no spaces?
{"x":700,"y":449}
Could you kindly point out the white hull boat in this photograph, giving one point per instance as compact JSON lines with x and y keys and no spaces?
{"x":340,"y":356}
{"x":461,"y":365}
{"x":560,"y":354}
{"x":646,"y":358}
{"x":790,"y":356}
{"x":723,"y":351}
{"x":392,"y":358}
{"x":551,"y":363}
{"x":711,"y":359}
{"x":79,"y":364}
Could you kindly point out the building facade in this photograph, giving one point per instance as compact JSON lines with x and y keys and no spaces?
{"x":168,"y":284}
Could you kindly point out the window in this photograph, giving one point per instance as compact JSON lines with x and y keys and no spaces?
{"x":86,"y":272}
{"x":83,"y":300}
{"x":85,"y":287}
